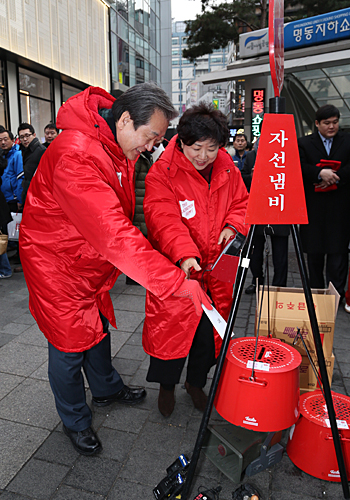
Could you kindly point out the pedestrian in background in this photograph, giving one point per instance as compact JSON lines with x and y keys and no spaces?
{"x":5,"y":218}
{"x":325,"y":239}
{"x":50,"y":132}
{"x":32,"y":151}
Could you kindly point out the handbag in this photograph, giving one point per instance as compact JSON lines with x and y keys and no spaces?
{"x":13,"y":226}
{"x":3,"y":243}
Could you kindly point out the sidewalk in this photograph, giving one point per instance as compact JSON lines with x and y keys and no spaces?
{"x":37,"y":460}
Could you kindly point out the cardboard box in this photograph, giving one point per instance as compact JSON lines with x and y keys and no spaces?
{"x":308,"y":381}
{"x":288,"y":312}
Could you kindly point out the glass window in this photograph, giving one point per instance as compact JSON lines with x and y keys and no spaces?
{"x":175,"y":40}
{"x":216,"y":59}
{"x":3,"y":99}
{"x":140,"y":69}
{"x":35,"y":84}
{"x":123,"y":30}
{"x":132,"y":67}
{"x":132,"y":38}
{"x":175,"y":52}
{"x":68,"y":91}
{"x":175,"y":62}
{"x":180,"y":97}
{"x":131,"y":10}
{"x":113,"y":17}
{"x":36,"y":103}
{"x":123,"y":62}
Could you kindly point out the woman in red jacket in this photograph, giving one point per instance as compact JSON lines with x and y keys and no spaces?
{"x":195,"y":201}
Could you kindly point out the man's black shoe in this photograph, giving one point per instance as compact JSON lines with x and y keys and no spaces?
{"x":85,"y":442}
{"x":126,"y":396}
{"x":250,"y":290}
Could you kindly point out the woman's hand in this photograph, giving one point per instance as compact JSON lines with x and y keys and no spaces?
{"x":188,"y":264}
{"x":225,"y":235}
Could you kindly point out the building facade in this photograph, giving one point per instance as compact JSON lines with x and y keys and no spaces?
{"x":183,"y":71}
{"x":50,"y":50}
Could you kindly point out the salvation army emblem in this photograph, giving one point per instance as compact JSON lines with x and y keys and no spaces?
{"x":187,"y":209}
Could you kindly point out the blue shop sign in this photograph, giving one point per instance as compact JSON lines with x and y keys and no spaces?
{"x":328,"y":27}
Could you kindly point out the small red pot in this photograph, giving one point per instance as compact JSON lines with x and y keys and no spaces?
{"x":268,"y":402}
{"x":310,"y":445}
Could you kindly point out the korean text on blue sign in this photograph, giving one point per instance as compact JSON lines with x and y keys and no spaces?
{"x":314,"y":30}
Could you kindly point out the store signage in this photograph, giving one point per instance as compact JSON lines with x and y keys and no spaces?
{"x":315,"y":30}
{"x":258,"y":109}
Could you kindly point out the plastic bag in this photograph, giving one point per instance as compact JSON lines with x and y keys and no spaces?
{"x":13,"y":226}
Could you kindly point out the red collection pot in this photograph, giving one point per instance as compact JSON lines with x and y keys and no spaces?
{"x":268,"y":401}
{"x":310,"y":445}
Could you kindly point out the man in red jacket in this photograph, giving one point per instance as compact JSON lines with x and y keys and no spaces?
{"x":77,"y":237}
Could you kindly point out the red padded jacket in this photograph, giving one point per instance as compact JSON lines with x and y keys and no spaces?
{"x":184,"y":217}
{"x":76,"y":229}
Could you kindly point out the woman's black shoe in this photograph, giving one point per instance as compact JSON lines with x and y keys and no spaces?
{"x":250,"y":290}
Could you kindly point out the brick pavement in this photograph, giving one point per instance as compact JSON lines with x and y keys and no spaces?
{"x":38,"y":462}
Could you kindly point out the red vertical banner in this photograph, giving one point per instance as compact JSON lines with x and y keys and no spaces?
{"x":276,"y":44}
{"x":277,"y":190}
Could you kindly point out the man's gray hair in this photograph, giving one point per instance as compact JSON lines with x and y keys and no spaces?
{"x":141,"y":101}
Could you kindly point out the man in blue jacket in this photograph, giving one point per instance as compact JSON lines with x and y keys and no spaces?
{"x":13,"y":175}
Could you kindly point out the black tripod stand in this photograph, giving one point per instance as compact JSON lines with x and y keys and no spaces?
{"x":276,"y":106}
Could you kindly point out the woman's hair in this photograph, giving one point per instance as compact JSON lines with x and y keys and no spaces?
{"x":202,"y":122}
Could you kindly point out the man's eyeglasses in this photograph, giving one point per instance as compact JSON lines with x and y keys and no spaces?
{"x":24,"y":136}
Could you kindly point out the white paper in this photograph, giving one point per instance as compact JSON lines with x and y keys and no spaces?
{"x":341,"y":424}
{"x":258,"y":365}
{"x":217,"y":321}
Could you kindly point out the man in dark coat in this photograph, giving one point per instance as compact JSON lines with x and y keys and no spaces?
{"x":327,"y":193}
{"x":32,"y":151}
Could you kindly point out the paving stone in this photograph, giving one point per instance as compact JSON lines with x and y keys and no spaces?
{"x":7,"y":495}
{"x":130,"y":419}
{"x":57,"y":449}
{"x":41,"y":373}
{"x":38,"y":479}
{"x":32,"y":403}
{"x":118,"y":339}
{"x":116,"y":444}
{"x":17,"y":443}
{"x":26,"y":318}
{"x":131,"y":352}
{"x":21,"y":359}
{"x":135,"y":339}
{"x":345,"y":368}
{"x":130,"y":491}
{"x":94,"y":473}
{"x":286,"y":476}
{"x":128,"y":321}
{"x":8,"y":383}
{"x":126,"y":366}
{"x":69,"y":493}
{"x":5,"y":338}
{"x":134,"y":290}
{"x":14,"y":328}
{"x":129,"y":303}
{"x":155,"y":449}
{"x":33,"y":336}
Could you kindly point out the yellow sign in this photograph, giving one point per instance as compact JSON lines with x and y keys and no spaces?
{"x":216,"y":103}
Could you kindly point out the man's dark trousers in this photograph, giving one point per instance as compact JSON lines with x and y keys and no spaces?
{"x":67,"y":382}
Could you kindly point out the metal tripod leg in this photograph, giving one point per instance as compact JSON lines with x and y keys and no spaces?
{"x":321,"y":361}
{"x":240,"y":279}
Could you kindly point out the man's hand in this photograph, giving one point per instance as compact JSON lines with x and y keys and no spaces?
{"x":328,"y":177}
{"x":225,"y":235}
{"x":191,"y":289}
{"x":189,"y":264}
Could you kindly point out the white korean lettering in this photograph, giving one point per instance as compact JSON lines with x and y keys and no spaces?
{"x":279,"y":137}
{"x":278,"y":161}
{"x":277,"y":201}
{"x":279,"y":182}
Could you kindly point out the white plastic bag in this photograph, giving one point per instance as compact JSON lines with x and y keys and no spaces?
{"x":13,"y":226}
